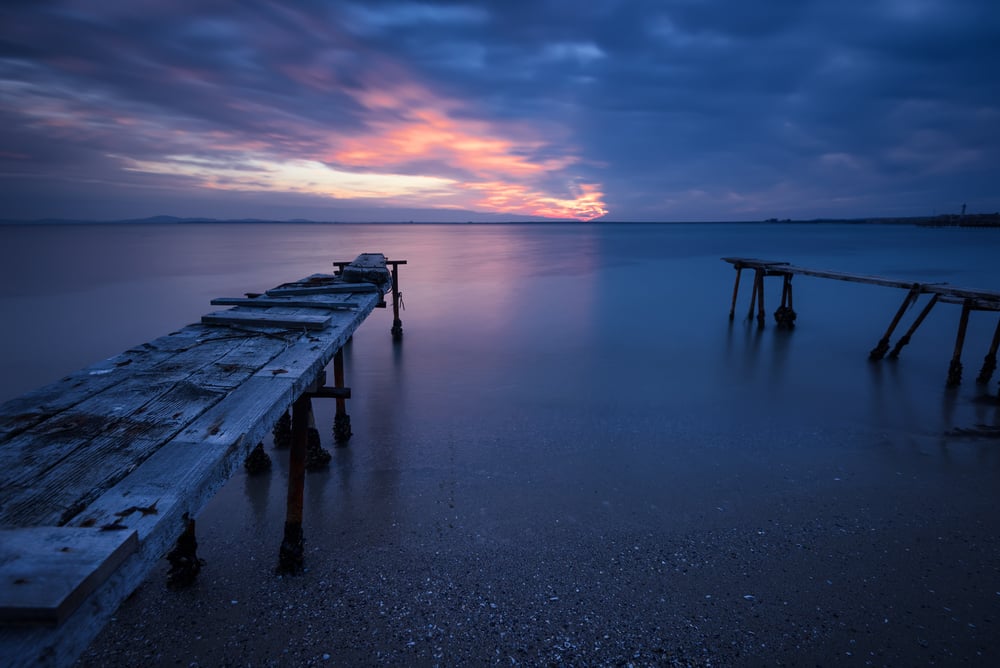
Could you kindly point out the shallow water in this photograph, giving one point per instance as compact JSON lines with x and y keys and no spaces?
{"x":558,"y":385}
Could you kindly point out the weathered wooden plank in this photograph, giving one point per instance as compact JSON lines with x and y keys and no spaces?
{"x":47,"y":572}
{"x":28,"y":410}
{"x":331,"y":289}
{"x":305,"y":302}
{"x":65,"y":488}
{"x":51,"y":440}
{"x":298,"y":321}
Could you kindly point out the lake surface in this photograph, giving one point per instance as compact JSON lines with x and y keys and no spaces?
{"x":572,"y":432}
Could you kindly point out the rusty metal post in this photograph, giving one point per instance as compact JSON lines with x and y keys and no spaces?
{"x":879,"y":351}
{"x":990,"y":361}
{"x":736,"y":291}
{"x":905,"y":339}
{"x":397,"y":298}
{"x":341,"y":420}
{"x":955,"y":368}
{"x":761,"y":317}
{"x":290,"y":556}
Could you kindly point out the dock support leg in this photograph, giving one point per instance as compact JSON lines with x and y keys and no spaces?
{"x":341,"y":420}
{"x":257,"y":461}
{"x":753,"y":293}
{"x":990,"y":361}
{"x":955,"y":368}
{"x":785,"y":315}
{"x":184,"y":562}
{"x":905,"y":338}
{"x":317,"y":458}
{"x":761,"y":317}
{"x":290,"y":556}
{"x":879,"y":351}
{"x":397,"y":300}
{"x":282,"y":432}
{"x":736,"y":292}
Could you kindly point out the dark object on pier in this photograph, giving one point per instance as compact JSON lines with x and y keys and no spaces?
{"x":257,"y":461}
{"x":971,"y":300}
{"x":184,"y":561}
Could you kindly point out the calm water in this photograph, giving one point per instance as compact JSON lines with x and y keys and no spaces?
{"x":556,"y":383}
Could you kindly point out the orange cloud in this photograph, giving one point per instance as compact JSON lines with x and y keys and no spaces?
{"x":587,"y":204}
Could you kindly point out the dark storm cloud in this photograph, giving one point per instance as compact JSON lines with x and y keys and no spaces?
{"x":673,"y":110}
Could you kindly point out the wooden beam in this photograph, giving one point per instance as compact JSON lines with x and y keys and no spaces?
{"x":291,"y":302}
{"x":298,"y":321}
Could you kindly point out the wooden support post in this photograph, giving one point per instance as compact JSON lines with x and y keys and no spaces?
{"x":397,"y":301}
{"x":879,"y":351}
{"x":184,"y":562}
{"x":761,"y":317}
{"x":905,"y":339}
{"x":290,"y":556}
{"x":258,"y":461}
{"x":317,"y":459}
{"x":282,"y":432}
{"x":990,"y":361}
{"x":955,"y":368}
{"x":341,"y":420}
{"x":785,"y":315}
{"x":753,"y":292}
{"x":736,"y":291}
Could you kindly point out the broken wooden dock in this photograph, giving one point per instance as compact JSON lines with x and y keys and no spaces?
{"x":785,"y":315}
{"x":102,"y":471}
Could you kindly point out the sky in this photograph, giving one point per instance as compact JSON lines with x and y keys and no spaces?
{"x":612,"y":110}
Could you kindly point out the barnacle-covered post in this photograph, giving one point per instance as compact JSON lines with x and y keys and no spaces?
{"x":397,"y":300}
{"x":905,"y":338}
{"x":290,"y":556}
{"x":990,"y":361}
{"x":341,"y":420}
{"x":955,"y":368}
{"x":736,"y":289}
{"x":879,"y":351}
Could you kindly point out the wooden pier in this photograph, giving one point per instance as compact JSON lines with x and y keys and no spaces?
{"x":939,"y":293}
{"x":101,"y":472}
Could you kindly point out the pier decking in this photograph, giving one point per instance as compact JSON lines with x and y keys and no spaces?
{"x":970,"y":300}
{"x":102,"y":471}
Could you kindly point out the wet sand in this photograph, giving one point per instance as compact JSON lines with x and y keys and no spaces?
{"x":853,"y":569}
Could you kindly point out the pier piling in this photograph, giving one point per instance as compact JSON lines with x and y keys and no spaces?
{"x":341,"y":420}
{"x":990,"y":361}
{"x":955,"y":368}
{"x":184,"y":562}
{"x":905,"y":338}
{"x":736,"y":292}
{"x":879,"y":351}
{"x":784,"y":315}
{"x":397,"y":299}
{"x":290,"y":556}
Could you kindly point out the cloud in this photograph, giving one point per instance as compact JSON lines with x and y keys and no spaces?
{"x":646,"y":110}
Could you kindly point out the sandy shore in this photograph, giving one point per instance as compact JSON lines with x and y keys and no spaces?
{"x":864,"y":577}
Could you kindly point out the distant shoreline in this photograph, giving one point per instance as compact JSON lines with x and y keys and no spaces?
{"x":943,"y":220}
